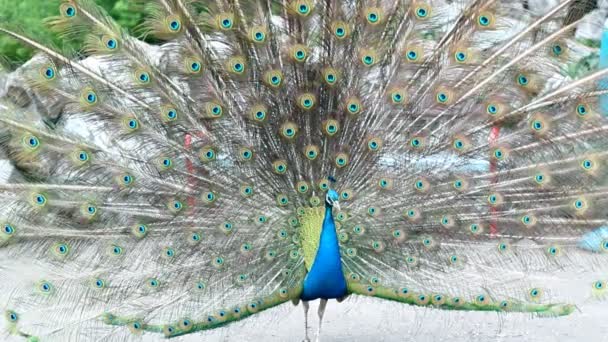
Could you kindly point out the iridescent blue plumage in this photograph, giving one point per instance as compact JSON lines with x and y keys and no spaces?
{"x":180,"y":187}
{"x":325,"y":279}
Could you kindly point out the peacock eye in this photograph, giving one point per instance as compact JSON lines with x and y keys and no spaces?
{"x":421,"y":12}
{"x":49,"y":73}
{"x":442,"y":97}
{"x":111,"y":44}
{"x":368,"y":60}
{"x":68,"y":10}
{"x":492,"y":109}
{"x":45,"y":287}
{"x":246,"y":191}
{"x":39,"y":200}
{"x":412,"y":55}
{"x":132,"y":124}
{"x":557,"y":49}
{"x":581,"y":110}
{"x":175,"y":25}
{"x":522,"y":80}
{"x":12,"y":316}
{"x":152,"y":282}
{"x":143,"y":77}
{"x":282,"y":200}
{"x":353,"y":106}
{"x":116,"y":250}
{"x":83,"y":156}
{"x":485,"y":20}
{"x":127,"y":179}
{"x":169,"y":252}
{"x":303,"y":9}
{"x":31,"y":142}
{"x":8,"y":229}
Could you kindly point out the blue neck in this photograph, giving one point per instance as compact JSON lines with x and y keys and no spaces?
{"x":329,"y":227}
{"x":329,"y":238}
{"x":325,"y":279}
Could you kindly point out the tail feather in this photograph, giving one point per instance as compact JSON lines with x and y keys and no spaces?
{"x":471,"y":169}
{"x":440,"y":301}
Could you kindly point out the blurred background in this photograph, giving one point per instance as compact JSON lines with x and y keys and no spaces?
{"x":30,"y":14}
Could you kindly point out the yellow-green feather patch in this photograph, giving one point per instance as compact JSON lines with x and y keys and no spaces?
{"x":311,"y":220}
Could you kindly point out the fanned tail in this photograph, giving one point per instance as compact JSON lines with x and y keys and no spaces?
{"x":470,"y":170}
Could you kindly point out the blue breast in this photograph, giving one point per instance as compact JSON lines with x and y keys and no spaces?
{"x":325,"y":279}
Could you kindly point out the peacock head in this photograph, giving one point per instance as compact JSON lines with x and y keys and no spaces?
{"x":331,"y":199}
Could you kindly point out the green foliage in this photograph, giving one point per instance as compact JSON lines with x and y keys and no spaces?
{"x":128,"y":16}
{"x":27,"y":14}
{"x":30,"y":14}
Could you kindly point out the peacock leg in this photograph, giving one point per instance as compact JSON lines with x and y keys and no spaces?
{"x":306,"y":306}
{"x":321,"y":312}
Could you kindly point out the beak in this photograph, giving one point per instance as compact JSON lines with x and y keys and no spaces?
{"x":337,"y":205}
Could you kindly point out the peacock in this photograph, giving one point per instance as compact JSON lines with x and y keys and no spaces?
{"x":434,"y":153}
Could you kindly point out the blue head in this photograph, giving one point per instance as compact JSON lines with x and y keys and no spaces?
{"x":331,"y":199}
